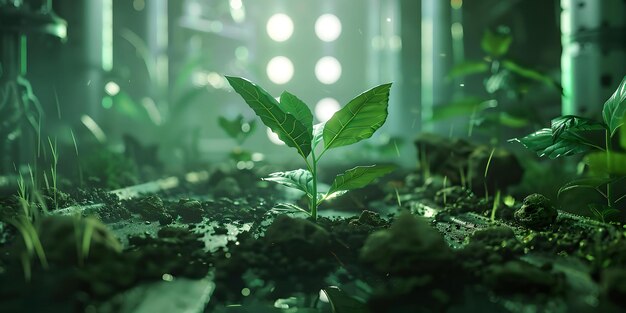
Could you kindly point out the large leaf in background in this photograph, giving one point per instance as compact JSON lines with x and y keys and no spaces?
{"x":463,"y":107}
{"x":296,"y":107}
{"x":586,"y":182}
{"x":573,"y":123}
{"x":622,"y":137}
{"x":236,"y":128}
{"x":615,"y":108}
{"x":359,"y":119}
{"x":340,"y":302}
{"x":288,"y":128}
{"x":468,"y":68}
{"x":496,"y":44}
{"x":599,"y":164}
{"x":358,"y":177}
{"x":298,"y":179}
{"x":530,"y":74}
{"x":543,"y":144}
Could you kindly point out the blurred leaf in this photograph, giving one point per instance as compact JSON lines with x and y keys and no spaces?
{"x":359,"y":119}
{"x":530,"y":74}
{"x":602,"y":211}
{"x":125,"y":105}
{"x":236,"y":128}
{"x":468,"y":68}
{"x":184,"y":74}
{"x":599,"y":164}
{"x":543,"y":144}
{"x":341,"y":302}
{"x":467,"y":106}
{"x":586,"y":182}
{"x":296,"y":107}
{"x":288,"y":128}
{"x":622,"y":136}
{"x":512,"y":121}
{"x":496,"y":44}
{"x":573,"y":123}
{"x":358,"y":177}
{"x":615,"y":108}
{"x":298,"y":179}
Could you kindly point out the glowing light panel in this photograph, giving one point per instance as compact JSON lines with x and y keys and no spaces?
{"x":280,"y":70}
{"x":328,"y":70}
{"x":279,"y":27}
{"x":325,"y":108}
{"x":328,"y":27}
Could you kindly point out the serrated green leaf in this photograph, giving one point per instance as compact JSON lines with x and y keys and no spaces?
{"x":599,"y":164}
{"x":468,"y":68}
{"x":496,"y":44}
{"x":543,"y":144}
{"x":340,"y":302}
{"x":298,"y":179}
{"x":586,"y":182}
{"x":573,"y":123}
{"x":288,"y":128}
{"x":359,"y":119}
{"x":615,"y":108}
{"x":358,"y":177}
{"x":318,"y":133}
{"x":296,"y":107}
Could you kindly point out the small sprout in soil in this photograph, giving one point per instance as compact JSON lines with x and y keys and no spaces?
{"x":292,"y":120}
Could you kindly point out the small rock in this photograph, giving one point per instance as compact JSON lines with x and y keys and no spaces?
{"x":190,"y":210}
{"x":227,"y":187}
{"x":369,"y":218}
{"x":537,"y":212}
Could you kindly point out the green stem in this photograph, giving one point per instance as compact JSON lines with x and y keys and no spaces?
{"x":609,"y":196}
{"x":313,"y":203}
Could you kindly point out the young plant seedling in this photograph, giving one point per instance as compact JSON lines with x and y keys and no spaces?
{"x":239,"y":130}
{"x":291,"y":119}
{"x":568,"y":135}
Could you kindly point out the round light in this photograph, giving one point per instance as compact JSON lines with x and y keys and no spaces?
{"x":274,"y":138}
{"x":279,"y":70}
{"x":279,"y":27}
{"x":112,"y":88}
{"x":328,"y":70}
{"x":242,"y":53}
{"x":328,"y":27}
{"x":325,"y":108}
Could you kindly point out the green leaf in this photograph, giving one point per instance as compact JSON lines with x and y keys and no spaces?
{"x":340,"y":302}
{"x":358,"y":177}
{"x":298,"y":179}
{"x":543,"y":144}
{"x":586,"y":182}
{"x":467,"y":106}
{"x":288,"y":128}
{"x":599,"y":164}
{"x":530,"y":74}
{"x":468,"y":68}
{"x":496,"y":44}
{"x":318,"y":133}
{"x":296,"y":107}
{"x":615,"y":108}
{"x":359,"y":119}
{"x":573,"y":123}
{"x":622,"y":136}
{"x":236,"y":128}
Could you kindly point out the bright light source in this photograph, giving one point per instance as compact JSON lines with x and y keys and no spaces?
{"x":325,"y":108}
{"x":112,"y":88}
{"x":242,"y":53}
{"x":235,"y":4}
{"x":395,"y":43}
{"x":328,"y":70}
{"x":280,"y":70}
{"x":328,"y":27}
{"x":215,"y":80}
{"x":274,"y":138}
{"x":279,"y":27}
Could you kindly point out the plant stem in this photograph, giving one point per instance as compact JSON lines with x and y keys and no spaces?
{"x":313,"y":204}
{"x":607,"y":139}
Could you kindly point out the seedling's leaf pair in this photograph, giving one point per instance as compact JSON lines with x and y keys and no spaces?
{"x":292,"y":121}
{"x":544,"y":144}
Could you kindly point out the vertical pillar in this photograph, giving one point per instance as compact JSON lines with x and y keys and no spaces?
{"x":593,"y":61}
